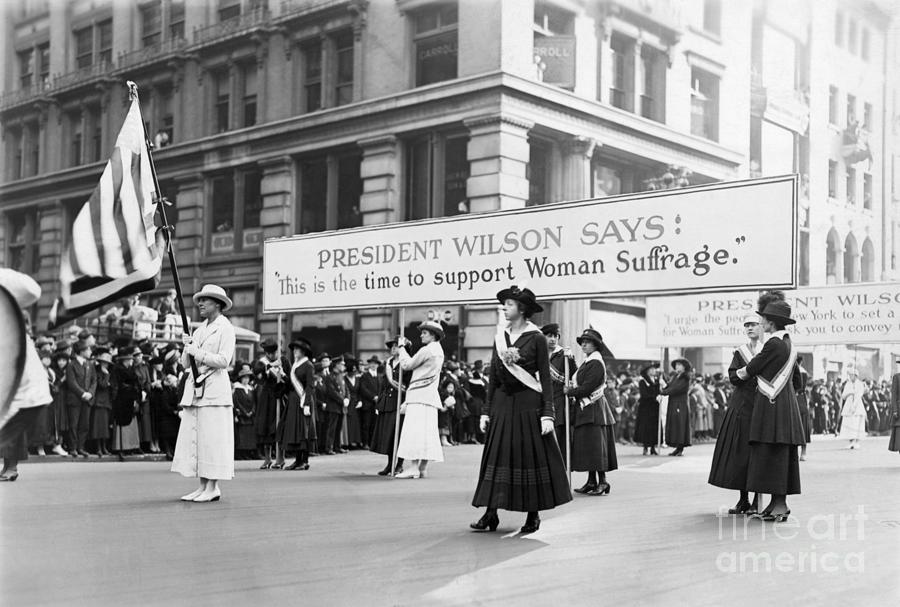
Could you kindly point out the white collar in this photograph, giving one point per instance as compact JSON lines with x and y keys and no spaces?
{"x":529,"y":327}
{"x":595,"y":355}
{"x":779,"y":334}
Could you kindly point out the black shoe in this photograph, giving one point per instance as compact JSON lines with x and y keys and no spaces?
{"x":653,"y":451}
{"x":278,"y":466}
{"x":532,"y":524}
{"x":587,"y":488}
{"x":488,"y":522}
{"x":743,"y":508}
{"x":294,"y":466}
{"x":601,"y":489}
{"x":385,"y":471}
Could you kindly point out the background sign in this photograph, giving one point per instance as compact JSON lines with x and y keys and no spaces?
{"x":556,"y":55}
{"x":838,"y":314}
{"x":719,"y":237}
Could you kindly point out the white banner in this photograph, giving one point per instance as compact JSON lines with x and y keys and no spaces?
{"x":718,"y":237}
{"x":838,"y":314}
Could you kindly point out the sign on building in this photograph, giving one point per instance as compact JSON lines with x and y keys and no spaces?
{"x":837,"y":314}
{"x":555,"y":58}
{"x":718,"y":237}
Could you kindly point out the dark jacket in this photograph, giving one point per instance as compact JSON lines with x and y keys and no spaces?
{"x":126,"y":393}
{"x":80,"y":378}
{"x":590,"y":377}
{"x":558,"y":377}
{"x":335,"y":391}
{"x":778,"y":422}
{"x":367,"y":390}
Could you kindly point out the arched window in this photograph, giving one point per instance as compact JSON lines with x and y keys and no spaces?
{"x":868,"y":261}
{"x":851,"y":259}
{"x":832,"y":258}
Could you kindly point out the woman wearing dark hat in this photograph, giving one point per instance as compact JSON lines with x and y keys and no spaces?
{"x":678,"y":411}
{"x":478,"y":392}
{"x":559,"y":357}
{"x":274,"y":386}
{"x":243,"y":398}
{"x":646,"y":427}
{"x":386,"y":407}
{"x":420,"y":439}
{"x":205,"y":446}
{"x":101,"y":412}
{"x":594,"y":437}
{"x":297,"y":432}
{"x":732,"y":453}
{"x":775,"y":427}
{"x":522,"y":468}
{"x":126,"y":393}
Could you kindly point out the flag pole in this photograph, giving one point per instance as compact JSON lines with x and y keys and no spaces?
{"x":166,"y":228}
{"x":399,"y":397}
{"x":566,"y":405}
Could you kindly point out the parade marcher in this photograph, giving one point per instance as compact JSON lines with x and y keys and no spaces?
{"x":33,"y":391}
{"x":894,"y":442}
{"x":732,"y":452}
{"x":270,"y":395}
{"x":298,"y":431}
{"x":420,"y":438}
{"x":646,"y":428}
{"x":101,"y":413}
{"x":243,"y":398}
{"x":205,"y":446}
{"x":678,"y":412}
{"x":368,"y":395}
{"x":386,"y":408}
{"x":81,"y":381}
{"x":559,"y":356}
{"x":803,"y":405}
{"x":853,"y":413}
{"x":775,"y":428}
{"x":522,"y":468}
{"x":337,"y":399}
{"x":125,"y":389}
{"x":594,"y":437}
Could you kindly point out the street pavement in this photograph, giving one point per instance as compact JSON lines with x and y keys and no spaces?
{"x":109,"y":533}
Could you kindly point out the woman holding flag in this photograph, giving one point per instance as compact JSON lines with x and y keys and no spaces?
{"x":522,"y":468}
{"x":776,"y":429}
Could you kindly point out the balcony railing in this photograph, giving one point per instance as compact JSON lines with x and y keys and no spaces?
{"x":155,"y":52}
{"x":83,"y":75}
{"x":237,"y":25}
{"x":25,"y":95}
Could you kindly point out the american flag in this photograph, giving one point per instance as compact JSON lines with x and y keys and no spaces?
{"x":114,"y":250}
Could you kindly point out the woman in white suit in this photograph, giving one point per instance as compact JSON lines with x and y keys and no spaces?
{"x":853,"y":412}
{"x":420,"y":439}
{"x":205,"y":446}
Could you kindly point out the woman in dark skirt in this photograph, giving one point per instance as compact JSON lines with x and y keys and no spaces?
{"x":803,"y":404}
{"x":169,"y":421}
{"x":522,"y":468}
{"x":297,"y":432}
{"x":243,"y":398}
{"x":894,"y":442}
{"x":678,"y":412}
{"x":386,"y":408}
{"x":775,"y":427}
{"x":271,"y":371}
{"x":594,"y":438}
{"x":646,"y":428}
{"x":732,"y":453}
{"x":101,"y":412}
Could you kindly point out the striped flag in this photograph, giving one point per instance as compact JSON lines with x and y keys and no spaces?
{"x":115,"y":250}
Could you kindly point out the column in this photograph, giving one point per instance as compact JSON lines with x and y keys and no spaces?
{"x":604,"y":60}
{"x":577,"y":154}
{"x":276,"y":189}
{"x":498,"y":156}
{"x":586,"y":57}
{"x":637,"y":76}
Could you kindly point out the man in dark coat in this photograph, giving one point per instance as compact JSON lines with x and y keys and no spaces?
{"x":337,"y":399}
{"x":367,"y":391}
{"x":81,"y":384}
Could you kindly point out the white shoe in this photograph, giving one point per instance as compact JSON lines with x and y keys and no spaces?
{"x":60,"y":451}
{"x":41,"y":452}
{"x":414,"y":473}
{"x":209,"y":496}
{"x":190,"y":496}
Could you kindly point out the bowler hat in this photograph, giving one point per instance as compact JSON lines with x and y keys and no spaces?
{"x":779,"y":311}
{"x":524,"y":296}
{"x":62,"y":346}
{"x":433,"y":327}
{"x":81,"y":345}
{"x":688,"y":367}
{"x":214,"y":292}
{"x":269,"y":344}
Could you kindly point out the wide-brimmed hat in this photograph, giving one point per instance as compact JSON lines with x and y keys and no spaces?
{"x":156,"y":360}
{"x":101,"y":354}
{"x":125,"y":353}
{"x":687,"y":364}
{"x":592,"y":335}
{"x":136,"y":351}
{"x":42,"y":341}
{"x":391,"y":341}
{"x":335,"y":361}
{"x":301,"y":344}
{"x":245,"y":373}
{"x":269,"y":344}
{"x":63,"y":345}
{"x":524,"y":296}
{"x":214,"y":292}
{"x":146,"y":348}
{"x":434,"y":327}
{"x":24,"y":289}
{"x":551,"y":328}
{"x":778,"y":311}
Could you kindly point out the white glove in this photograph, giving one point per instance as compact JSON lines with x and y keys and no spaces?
{"x":483,"y":424}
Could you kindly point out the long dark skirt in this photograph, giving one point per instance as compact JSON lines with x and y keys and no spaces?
{"x":646,"y":428}
{"x":732,"y":453}
{"x":266,"y":409}
{"x":244,"y":437}
{"x":40,"y":433}
{"x":521,"y":469}
{"x":594,"y":448}
{"x":14,"y":435}
{"x":383,"y":434}
{"x":894,"y":443}
{"x":100,"y":420}
{"x":807,"y":423}
{"x":774,"y":468}
{"x":297,"y":431}
{"x":561,"y":440}
{"x":678,"y":424}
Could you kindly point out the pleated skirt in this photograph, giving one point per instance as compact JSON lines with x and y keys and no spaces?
{"x":100,"y":420}
{"x":894,"y":443}
{"x":732,"y":453}
{"x":774,"y":469}
{"x":244,"y":437}
{"x":266,"y":419}
{"x":594,"y":448}
{"x":383,"y":441}
{"x":521,"y":469}
{"x":205,"y":445}
{"x":419,"y":438}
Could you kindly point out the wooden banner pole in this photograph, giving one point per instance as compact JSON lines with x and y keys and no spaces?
{"x":568,"y":427}
{"x":399,"y":397}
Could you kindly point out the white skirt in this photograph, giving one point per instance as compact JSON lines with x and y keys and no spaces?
{"x":205,"y":446}
{"x":419,"y":438}
{"x":853,"y":426}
